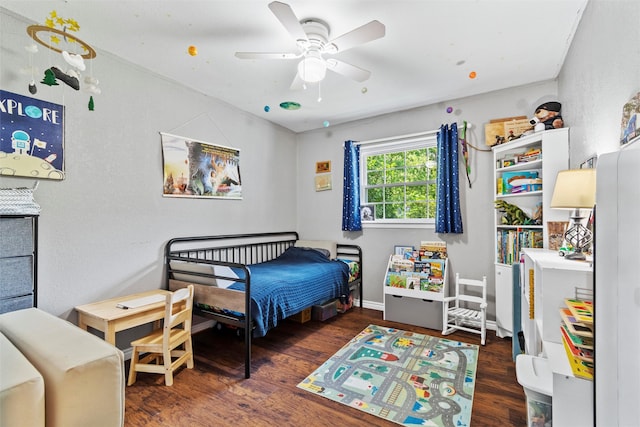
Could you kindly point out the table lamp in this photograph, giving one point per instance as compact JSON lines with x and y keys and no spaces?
{"x":575,"y":189}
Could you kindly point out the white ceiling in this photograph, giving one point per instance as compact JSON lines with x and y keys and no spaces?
{"x":426,"y":56}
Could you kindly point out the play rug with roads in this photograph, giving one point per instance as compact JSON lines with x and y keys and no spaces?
{"x":404,"y":377}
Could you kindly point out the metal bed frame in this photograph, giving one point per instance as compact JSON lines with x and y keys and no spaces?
{"x":236,"y":251}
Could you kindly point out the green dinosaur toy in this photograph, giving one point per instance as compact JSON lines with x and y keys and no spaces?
{"x":512,"y":214}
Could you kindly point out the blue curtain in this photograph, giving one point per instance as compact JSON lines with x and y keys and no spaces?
{"x":448,"y":215}
{"x":351,"y":190}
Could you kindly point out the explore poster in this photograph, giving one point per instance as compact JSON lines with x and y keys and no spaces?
{"x":31,"y":137}
{"x":198,"y":169}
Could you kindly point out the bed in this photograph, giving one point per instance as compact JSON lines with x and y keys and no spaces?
{"x":254,"y":281}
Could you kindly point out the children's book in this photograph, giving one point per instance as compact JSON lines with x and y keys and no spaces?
{"x":433,"y":250}
{"x":396,"y":280}
{"x":581,"y":310}
{"x":582,"y":342}
{"x":579,"y":352}
{"x":574,"y":326}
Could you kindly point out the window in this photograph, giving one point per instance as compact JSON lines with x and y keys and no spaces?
{"x":398,"y":180}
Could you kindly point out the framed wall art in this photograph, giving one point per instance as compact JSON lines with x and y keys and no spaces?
{"x":199,"y":169}
{"x":367,"y":213}
{"x":31,"y":136}
{"x":323,"y":182}
{"x":323,"y":167}
{"x":630,"y":126}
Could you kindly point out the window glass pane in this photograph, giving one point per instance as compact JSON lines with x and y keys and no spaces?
{"x":394,"y":194}
{"x":394,"y":160}
{"x":417,"y":174}
{"x":395,"y":176}
{"x":417,"y":193}
{"x":416,"y":157}
{"x":394,"y":210}
{"x":431,"y":208}
{"x":374,"y":195}
{"x":375,"y":178}
{"x":416,"y":210}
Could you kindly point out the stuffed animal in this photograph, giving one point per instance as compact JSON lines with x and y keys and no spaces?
{"x":547,"y":116}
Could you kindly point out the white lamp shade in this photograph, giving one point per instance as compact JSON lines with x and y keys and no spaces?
{"x":575,"y":189}
{"x":312,"y":69}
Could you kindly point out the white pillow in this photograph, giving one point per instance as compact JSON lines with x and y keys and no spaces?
{"x":321,"y":244}
{"x":223,"y":270}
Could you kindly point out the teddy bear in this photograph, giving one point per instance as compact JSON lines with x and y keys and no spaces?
{"x":547,"y":116}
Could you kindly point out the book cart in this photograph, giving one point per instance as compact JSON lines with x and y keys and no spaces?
{"x":415,"y":285}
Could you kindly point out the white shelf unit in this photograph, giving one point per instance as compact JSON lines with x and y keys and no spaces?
{"x":414,"y":306}
{"x":546,"y":280}
{"x":554,"y":146}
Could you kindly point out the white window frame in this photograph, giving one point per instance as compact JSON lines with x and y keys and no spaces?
{"x":396,"y":145}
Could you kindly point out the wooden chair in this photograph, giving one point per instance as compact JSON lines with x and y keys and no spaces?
{"x":471,"y":315}
{"x":172,"y":341}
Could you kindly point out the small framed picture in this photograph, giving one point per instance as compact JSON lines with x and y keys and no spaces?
{"x":405,"y":251}
{"x":367,"y":213}
{"x":323,"y":167}
{"x":323,"y":182}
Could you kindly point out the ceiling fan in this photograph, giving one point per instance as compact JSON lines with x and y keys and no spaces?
{"x":312,"y":38}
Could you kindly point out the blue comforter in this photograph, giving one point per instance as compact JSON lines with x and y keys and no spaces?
{"x":297,"y":279}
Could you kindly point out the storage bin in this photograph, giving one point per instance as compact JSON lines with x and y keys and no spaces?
{"x":413,"y":311}
{"x":535,"y":376}
{"x":302,"y":317}
{"x":324,"y":311}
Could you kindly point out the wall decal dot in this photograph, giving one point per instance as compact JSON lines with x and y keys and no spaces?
{"x":193,"y":51}
{"x":473,"y":75}
{"x":266,"y":108}
{"x":449,"y":110}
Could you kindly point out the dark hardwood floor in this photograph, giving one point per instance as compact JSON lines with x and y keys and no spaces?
{"x":215,"y":392}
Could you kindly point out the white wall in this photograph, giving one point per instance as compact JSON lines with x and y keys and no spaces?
{"x":601,"y":73}
{"x":103,"y":228}
{"x":471,"y":253}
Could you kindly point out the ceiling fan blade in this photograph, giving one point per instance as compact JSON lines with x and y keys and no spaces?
{"x":267,"y":55}
{"x":363,"y":34}
{"x":288,"y":19}
{"x":356,"y":73}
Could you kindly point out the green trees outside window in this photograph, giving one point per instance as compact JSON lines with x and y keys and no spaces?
{"x":401,"y":184}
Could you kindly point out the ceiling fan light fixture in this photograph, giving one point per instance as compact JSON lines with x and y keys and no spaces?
{"x":312,"y":69}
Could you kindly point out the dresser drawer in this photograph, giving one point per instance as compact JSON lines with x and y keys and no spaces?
{"x":17,"y":276}
{"x":17,"y":303}
{"x":16,"y":237}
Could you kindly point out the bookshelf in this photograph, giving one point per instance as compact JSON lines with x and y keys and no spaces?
{"x":525,"y":172}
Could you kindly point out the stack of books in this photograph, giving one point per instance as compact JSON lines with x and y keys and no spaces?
{"x":577,"y":336}
{"x":529,"y":156}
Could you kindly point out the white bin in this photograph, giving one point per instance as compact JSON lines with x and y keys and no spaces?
{"x":535,"y":376}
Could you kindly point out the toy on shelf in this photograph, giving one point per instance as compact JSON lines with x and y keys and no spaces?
{"x":547,"y":116}
{"x":514,"y":215}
